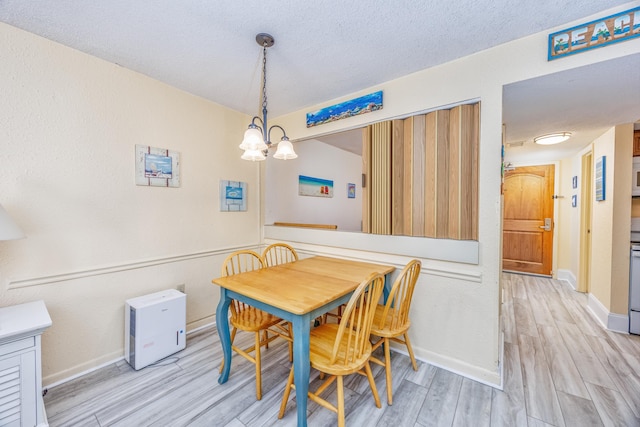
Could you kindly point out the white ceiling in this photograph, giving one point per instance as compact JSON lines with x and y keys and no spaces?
{"x":325,"y":49}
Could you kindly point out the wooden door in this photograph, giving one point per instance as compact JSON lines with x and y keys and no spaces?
{"x":527,"y":244}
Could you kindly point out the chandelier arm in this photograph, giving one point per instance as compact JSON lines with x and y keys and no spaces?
{"x":284,"y":134}
{"x":253,"y":123}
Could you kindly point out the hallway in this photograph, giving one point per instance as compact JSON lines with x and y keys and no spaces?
{"x":561,"y":362}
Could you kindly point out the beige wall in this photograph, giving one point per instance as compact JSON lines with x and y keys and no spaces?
{"x":565,"y":213}
{"x":68,"y":126}
{"x":611,"y":222}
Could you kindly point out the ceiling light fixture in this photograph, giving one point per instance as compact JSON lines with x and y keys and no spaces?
{"x":257,"y":139}
{"x":552,"y":138}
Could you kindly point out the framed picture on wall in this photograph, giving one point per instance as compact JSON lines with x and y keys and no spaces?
{"x":316,"y":187}
{"x":601,"y":184}
{"x":574,"y":182}
{"x":233,"y":196}
{"x":157,"y":167}
{"x":351,"y":191}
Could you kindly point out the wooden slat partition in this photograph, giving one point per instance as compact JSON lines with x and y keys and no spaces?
{"x":422,"y":175}
{"x":366,"y":180}
{"x":475,"y":173}
{"x":398,"y":172}
{"x":470,"y":135}
{"x":407,"y":179}
{"x":431,"y":173}
{"x":455,"y":131}
{"x":418,"y":171}
{"x":381,"y":178}
{"x":442,"y":174}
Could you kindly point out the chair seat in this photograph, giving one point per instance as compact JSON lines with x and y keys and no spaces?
{"x":387,"y":330}
{"x":252,"y":319}
{"x":322,"y":340}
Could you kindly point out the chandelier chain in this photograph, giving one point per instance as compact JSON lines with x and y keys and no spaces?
{"x":264,"y":76}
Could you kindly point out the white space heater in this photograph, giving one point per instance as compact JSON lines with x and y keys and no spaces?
{"x":154,"y":327}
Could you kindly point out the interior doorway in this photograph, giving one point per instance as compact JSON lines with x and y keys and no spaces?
{"x":584,"y":275}
{"x":527,"y":241}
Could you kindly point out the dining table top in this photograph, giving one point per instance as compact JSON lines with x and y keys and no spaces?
{"x":302,"y":286}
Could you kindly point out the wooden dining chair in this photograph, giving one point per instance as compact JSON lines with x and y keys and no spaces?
{"x":391,"y":321}
{"x":244,"y":317}
{"x":278,"y":253}
{"x":344,"y":348}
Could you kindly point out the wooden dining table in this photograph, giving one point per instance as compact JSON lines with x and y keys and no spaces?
{"x":297,"y":292}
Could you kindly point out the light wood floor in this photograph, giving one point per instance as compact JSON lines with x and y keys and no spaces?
{"x":560,"y":366}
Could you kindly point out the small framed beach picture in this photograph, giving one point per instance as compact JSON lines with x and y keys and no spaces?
{"x":157,"y":167}
{"x":351,"y":191}
{"x":315,"y":187}
{"x":233,"y":196}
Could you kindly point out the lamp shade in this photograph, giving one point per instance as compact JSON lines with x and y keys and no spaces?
{"x":285,"y":150}
{"x":253,"y":140}
{"x":253,"y":155}
{"x":8,"y":229}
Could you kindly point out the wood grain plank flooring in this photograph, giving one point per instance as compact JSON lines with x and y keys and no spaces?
{"x":560,"y":368}
{"x":564,"y":373}
{"x":474,"y":405}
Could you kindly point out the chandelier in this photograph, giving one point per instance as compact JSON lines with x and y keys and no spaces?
{"x":257,"y":138}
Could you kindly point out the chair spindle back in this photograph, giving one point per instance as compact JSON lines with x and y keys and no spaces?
{"x":241,"y":262}
{"x":396,"y":309}
{"x":278,"y":253}
{"x":357,"y":318}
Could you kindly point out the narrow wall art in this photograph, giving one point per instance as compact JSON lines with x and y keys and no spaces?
{"x":351,"y":191}
{"x":601,"y":181}
{"x":353,"y":107}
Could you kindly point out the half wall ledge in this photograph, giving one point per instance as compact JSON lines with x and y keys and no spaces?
{"x":462,"y":251}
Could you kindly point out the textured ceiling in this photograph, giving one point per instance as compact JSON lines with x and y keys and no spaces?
{"x":324,"y":49}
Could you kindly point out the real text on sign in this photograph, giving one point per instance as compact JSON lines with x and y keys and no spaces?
{"x":598,"y":33}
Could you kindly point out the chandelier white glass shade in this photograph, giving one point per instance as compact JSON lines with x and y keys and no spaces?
{"x":552,"y":138}
{"x":257,"y":138}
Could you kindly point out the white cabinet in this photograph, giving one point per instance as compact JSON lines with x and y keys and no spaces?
{"x":21,"y":327}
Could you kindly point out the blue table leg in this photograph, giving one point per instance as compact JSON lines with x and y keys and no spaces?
{"x":387,"y":287}
{"x":301,"y":367}
{"x":222,"y":323}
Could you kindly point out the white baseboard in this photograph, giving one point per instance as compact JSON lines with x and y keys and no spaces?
{"x":618,"y":323}
{"x":486,"y":377}
{"x":57,"y":380}
{"x":67,"y":375}
{"x":611,"y":321}
{"x":569,"y":277}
